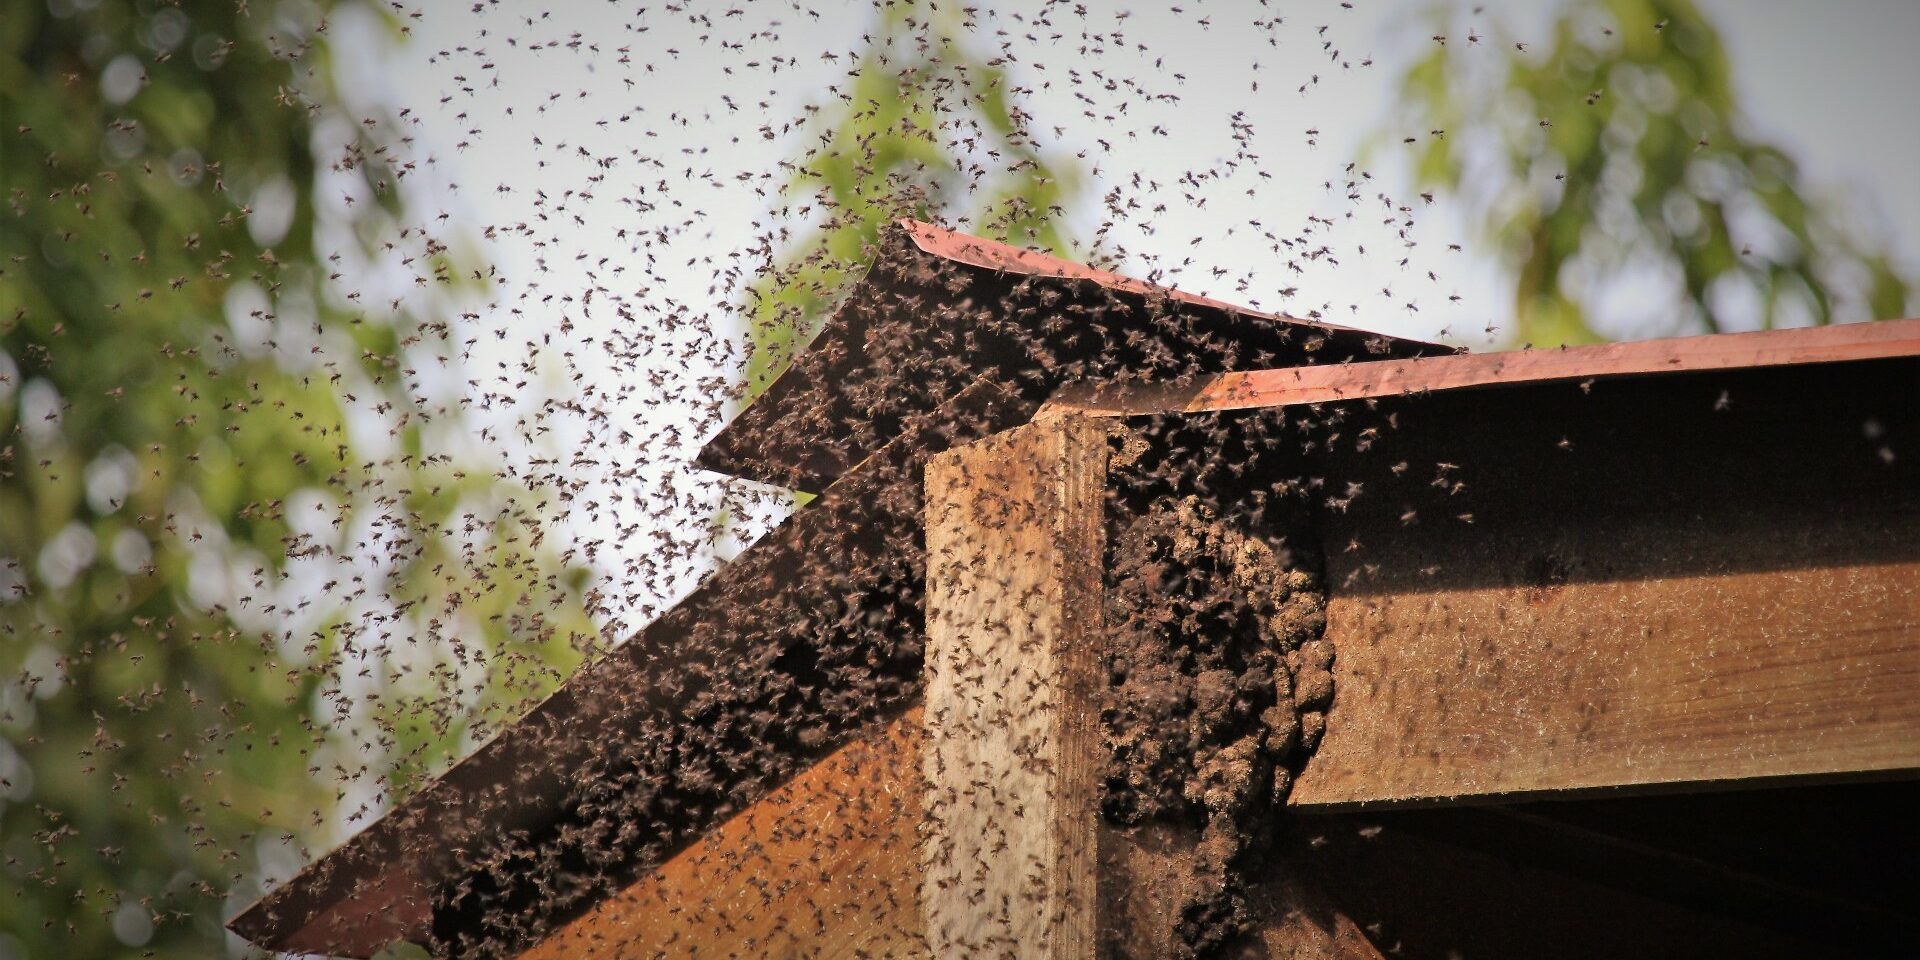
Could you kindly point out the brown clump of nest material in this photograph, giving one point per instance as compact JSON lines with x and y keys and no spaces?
{"x":1219,"y":685}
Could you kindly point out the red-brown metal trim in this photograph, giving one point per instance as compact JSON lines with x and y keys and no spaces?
{"x":1289,"y":386}
{"x":937,"y":308}
{"x":993,"y":255}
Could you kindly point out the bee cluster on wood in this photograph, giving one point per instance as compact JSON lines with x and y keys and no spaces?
{"x":1219,"y":677}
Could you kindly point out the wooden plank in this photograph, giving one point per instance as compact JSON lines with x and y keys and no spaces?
{"x":823,"y":867}
{"x":1006,"y":258}
{"x":1387,"y":378}
{"x":1665,"y":584}
{"x":1014,"y":548}
{"x":1494,"y":690}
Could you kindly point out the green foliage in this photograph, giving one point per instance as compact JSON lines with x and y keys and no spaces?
{"x":926,"y":127}
{"x":234,"y":577}
{"x":1616,"y":150}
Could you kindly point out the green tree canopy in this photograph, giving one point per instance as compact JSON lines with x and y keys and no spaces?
{"x":1615,"y":151}
{"x":925,"y":126}
{"x":245,"y":598}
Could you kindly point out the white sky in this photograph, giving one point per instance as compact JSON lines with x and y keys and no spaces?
{"x":690,"y":95}
{"x":1830,"y":81}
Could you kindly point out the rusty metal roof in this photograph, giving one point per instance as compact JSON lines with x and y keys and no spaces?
{"x":1240,"y":390}
{"x":937,"y":309}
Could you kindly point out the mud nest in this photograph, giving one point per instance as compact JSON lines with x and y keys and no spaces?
{"x":1219,"y":685}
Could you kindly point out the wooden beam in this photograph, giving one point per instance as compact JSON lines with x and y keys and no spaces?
{"x":1677,"y":583}
{"x":1014,"y":549}
{"x":824,"y":866}
{"x":1709,"y":678}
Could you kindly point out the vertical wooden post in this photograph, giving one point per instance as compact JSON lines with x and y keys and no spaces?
{"x":1016,"y":862}
{"x":1012,"y":752}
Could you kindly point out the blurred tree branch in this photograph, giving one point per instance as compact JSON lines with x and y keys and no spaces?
{"x":926,"y":127}
{"x":1616,"y":155}
{"x":244,"y":599}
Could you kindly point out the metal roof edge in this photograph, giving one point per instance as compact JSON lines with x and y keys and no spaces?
{"x":748,"y":445}
{"x":1385,"y":378}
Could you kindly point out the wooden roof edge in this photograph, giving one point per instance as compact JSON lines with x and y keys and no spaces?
{"x":312,"y":911}
{"x":743,"y":447}
{"x":1290,"y":386}
{"x":374,"y":888}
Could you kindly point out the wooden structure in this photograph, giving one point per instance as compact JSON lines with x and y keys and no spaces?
{"x":1626,"y":662}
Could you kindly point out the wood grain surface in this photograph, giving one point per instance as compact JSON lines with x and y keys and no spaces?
{"x":1013,"y":751}
{"x":1681,"y":681}
{"x":824,"y":867}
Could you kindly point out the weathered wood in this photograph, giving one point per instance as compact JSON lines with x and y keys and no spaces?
{"x":1492,"y":690}
{"x":1014,"y":546}
{"x":1018,"y":862}
{"x":825,"y":866}
{"x":1683,"y":583}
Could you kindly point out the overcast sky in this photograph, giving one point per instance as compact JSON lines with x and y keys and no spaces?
{"x":1832,"y":82}
{"x":675,"y":122}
